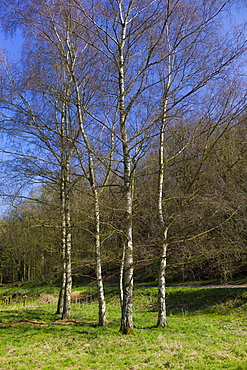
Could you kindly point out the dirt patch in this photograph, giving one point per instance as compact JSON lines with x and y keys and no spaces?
{"x":78,"y":296}
{"x":58,"y":322}
{"x":47,"y":298}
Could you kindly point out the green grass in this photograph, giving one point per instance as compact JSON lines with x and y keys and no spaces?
{"x":207,"y":329}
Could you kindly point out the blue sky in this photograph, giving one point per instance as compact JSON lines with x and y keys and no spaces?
{"x":11,"y":45}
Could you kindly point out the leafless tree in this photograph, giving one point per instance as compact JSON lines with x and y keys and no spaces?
{"x":122,"y":32}
{"x":192,"y":54}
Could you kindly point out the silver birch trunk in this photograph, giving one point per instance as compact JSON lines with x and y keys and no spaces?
{"x":62,"y":289}
{"x":61,"y":293}
{"x":67,"y":231}
{"x":121,"y":277}
{"x":63,"y":232}
{"x":100,"y":286}
{"x":126,"y":319}
{"x":162,"y":321}
{"x":101,"y":296}
{"x":162,"y":317}
{"x":65,"y":210}
{"x":162,"y":270}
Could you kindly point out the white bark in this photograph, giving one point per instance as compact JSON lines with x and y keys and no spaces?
{"x":91,"y":178}
{"x":67,"y":151}
{"x":126,"y":319}
{"x":66,"y":230}
{"x":62,"y":289}
{"x":162,"y":321}
{"x":121,"y":277}
{"x":101,"y":296}
{"x":163,"y":227}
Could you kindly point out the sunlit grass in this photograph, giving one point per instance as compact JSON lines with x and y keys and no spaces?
{"x":211,"y":337}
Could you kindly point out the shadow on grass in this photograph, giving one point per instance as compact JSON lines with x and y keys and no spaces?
{"x":25,"y":314}
{"x":37,"y":318}
{"x":211,"y":299}
{"x":23,"y":331}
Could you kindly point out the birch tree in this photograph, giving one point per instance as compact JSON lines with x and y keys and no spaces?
{"x":118,"y":30}
{"x":92,"y":148}
{"x":58,"y":29}
{"x":40,"y":113}
{"x":194,"y":53}
{"x":77,"y":56}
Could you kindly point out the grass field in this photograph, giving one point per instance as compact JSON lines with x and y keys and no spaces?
{"x":207,"y":329}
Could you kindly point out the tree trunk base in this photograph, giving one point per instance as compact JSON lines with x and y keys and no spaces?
{"x":65,"y":317}
{"x":126,"y":330}
{"x":161,"y":325}
{"x":102,"y":323}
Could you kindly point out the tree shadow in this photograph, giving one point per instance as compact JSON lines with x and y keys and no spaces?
{"x":25,"y":314}
{"x":199,"y":299}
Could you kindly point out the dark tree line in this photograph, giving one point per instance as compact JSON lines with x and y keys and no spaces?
{"x":208,"y":234}
{"x":124,"y":136}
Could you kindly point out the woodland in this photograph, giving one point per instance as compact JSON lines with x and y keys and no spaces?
{"x":123,"y":146}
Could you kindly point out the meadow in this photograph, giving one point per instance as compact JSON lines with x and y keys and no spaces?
{"x":207,"y":329}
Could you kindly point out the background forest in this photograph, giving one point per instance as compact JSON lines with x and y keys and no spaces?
{"x":206,"y":200}
{"x":123,"y":145}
